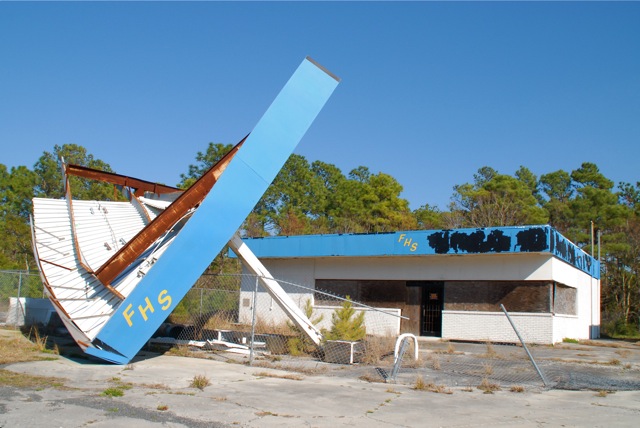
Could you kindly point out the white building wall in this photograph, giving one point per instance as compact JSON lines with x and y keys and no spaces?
{"x":587,"y":305}
{"x":495,"y":327}
{"x":468,"y":267}
{"x":539,"y":328}
{"x":567,"y":326}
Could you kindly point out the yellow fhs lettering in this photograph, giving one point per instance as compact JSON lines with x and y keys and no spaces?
{"x":408,"y":242}
{"x":164,"y":300}
{"x":163,"y":297}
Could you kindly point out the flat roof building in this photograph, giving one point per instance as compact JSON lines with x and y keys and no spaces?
{"x":451,"y":283}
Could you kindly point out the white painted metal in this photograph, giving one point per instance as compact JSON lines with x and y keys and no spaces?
{"x":274,"y":289}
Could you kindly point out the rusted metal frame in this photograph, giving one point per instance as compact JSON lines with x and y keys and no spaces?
{"x":142,"y":210}
{"x":57,"y":265}
{"x":45,"y":283}
{"x":109,"y":177}
{"x":74,"y":236}
{"x":165,"y":220}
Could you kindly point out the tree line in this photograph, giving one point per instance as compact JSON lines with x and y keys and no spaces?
{"x":317,"y":197}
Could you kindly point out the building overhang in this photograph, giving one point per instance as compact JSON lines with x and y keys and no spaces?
{"x":487,"y":240}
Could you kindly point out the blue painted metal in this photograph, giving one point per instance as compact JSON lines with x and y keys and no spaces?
{"x":489,"y":240}
{"x":221,"y":213}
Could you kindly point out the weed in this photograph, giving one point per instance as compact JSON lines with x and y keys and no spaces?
{"x":200,"y":382}
{"x":39,"y":341}
{"x":113,"y":392}
{"x":488,"y":369}
{"x":467,"y":389}
{"x":129,"y":367}
{"x":570,"y":340}
{"x":517,"y":388}
{"x":450,"y":348}
{"x":491,"y":352}
{"x":162,"y":407}
{"x":488,"y":387}
{"x":614,"y":362}
{"x":602,"y":393}
{"x":154,"y":386}
{"x":113,"y":410}
{"x":420,"y":384}
{"x":435,"y":363}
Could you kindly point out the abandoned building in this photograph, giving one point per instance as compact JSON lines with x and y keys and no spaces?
{"x":448,"y":283}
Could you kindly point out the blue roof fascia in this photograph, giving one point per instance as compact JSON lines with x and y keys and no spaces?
{"x":488,"y":240}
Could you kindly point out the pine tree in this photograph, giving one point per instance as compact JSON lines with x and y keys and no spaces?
{"x":344,"y":326}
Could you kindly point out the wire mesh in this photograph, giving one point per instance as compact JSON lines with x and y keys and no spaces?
{"x":234,"y":317}
{"x":14,"y":286}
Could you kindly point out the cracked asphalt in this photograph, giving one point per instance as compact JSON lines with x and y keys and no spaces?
{"x":157,"y":393}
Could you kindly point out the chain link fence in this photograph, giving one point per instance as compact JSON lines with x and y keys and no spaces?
{"x":232,"y":317}
{"x":15,"y":287}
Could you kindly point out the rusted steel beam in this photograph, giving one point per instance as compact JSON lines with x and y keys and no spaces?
{"x":165,"y":220}
{"x":141,"y":186}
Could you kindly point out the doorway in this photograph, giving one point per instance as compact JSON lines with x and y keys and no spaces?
{"x":431,"y":307}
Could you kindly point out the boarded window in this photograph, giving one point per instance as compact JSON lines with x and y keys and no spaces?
{"x":488,"y":296}
{"x":565,"y":300}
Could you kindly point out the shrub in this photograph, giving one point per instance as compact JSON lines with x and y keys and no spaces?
{"x":301,"y":344}
{"x":346,"y":326}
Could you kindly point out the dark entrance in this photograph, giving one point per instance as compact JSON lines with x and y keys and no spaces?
{"x":431,"y":308}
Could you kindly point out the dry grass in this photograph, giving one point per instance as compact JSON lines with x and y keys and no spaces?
{"x":378,"y":347}
{"x":490,"y":352}
{"x":27,"y":381}
{"x":182,"y":351}
{"x":488,"y":387}
{"x":517,"y":388}
{"x":488,"y":369}
{"x":602,"y":344}
{"x":200,"y":382}
{"x":421,"y":385}
{"x":15,"y":348}
{"x":603,"y":393}
{"x":279,"y":375}
{"x":369,"y":377}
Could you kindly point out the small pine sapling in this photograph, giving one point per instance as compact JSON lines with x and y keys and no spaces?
{"x":346,"y":326}
{"x":302,"y":344}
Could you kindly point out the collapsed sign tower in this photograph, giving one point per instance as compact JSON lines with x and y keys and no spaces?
{"x":115,"y":270}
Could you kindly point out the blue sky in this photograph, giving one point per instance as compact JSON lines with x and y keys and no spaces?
{"x":430,"y":91}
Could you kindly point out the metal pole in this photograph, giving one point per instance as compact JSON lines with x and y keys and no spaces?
{"x":544,"y":381}
{"x":253,"y":322}
{"x":19,"y":302}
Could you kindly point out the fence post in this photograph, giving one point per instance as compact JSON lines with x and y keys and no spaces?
{"x":253,"y":322}
{"x":544,"y":381}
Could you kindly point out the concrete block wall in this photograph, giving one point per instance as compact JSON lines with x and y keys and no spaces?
{"x":495,"y":327}
{"x":568,"y":326}
{"x":378,"y":321}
